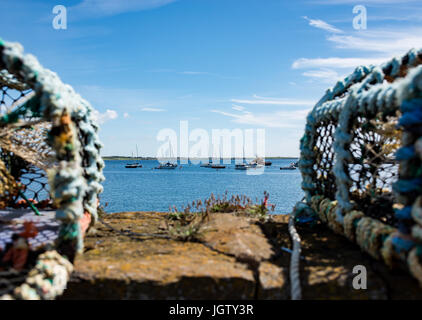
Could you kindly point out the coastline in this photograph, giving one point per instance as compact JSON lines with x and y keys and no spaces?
{"x":112,"y":158}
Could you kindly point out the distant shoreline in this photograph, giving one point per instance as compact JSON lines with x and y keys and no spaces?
{"x":153,"y":158}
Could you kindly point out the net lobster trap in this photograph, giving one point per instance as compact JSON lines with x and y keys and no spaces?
{"x":361,"y":159}
{"x":49,"y":163}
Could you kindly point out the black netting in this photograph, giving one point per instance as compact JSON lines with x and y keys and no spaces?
{"x":9,"y":97}
{"x":325,"y":179}
{"x":373,"y":168}
{"x":23,"y":147}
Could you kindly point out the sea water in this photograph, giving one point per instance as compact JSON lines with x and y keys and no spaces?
{"x":146,"y":189}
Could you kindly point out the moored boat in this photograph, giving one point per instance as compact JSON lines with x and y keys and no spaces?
{"x":291,"y":167}
{"x":257,"y":163}
{"x":217,"y":166}
{"x":242,"y":166}
{"x":167,"y":166}
{"x":207,"y":165}
{"x":133,"y":165}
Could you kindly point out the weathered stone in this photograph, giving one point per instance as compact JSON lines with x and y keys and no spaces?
{"x":234,"y":258}
{"x":121,"y":267}
{"x":237,"y":236}
{"x":272,"y":282}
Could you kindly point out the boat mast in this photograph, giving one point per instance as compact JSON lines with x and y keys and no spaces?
{"x":221,"y":148}
{"x":244,"y":160}
{"x":171,"y":153}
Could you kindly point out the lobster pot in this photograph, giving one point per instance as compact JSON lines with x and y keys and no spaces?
{"x":25,"y":154}
{"x":361,"y":160}
{"x":49,"y":159}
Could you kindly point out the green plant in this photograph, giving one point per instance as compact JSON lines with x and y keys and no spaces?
{"x":185,"y":224}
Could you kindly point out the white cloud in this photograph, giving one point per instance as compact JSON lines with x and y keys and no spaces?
{"x":320,"y":24}
{"x":273,"y":101}
{"x":238,"y":108}
{"x":376,"y":46}
{"x":383,"y":44}
{"x":336,"y":62}
{"x":384,"y":41}
{"x":102,"y":8}
{"x":104,"y":117}
{"x":125,"y":115}
{"x":153,"y":109}
{"x":278,"y":119}
{"x":324,"y":75}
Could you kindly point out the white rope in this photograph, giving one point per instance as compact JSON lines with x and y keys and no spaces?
{"x":295,"y":290}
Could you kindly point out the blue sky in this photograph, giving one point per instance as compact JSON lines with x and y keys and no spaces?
{"x":145,"y":65}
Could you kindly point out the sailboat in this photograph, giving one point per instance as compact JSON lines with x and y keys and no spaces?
{"x":207,"y":165}
{"x":244,"y":165}
{"x":135,"y":164}
{"x":292,"y":166}
{"x":168,"y":165}
{"x":218,"y":165}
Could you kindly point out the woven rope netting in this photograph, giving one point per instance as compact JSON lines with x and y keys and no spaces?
{"x":324,"y":154}
{"x":49,"y":158}
{"x":361,"y":160}
{"x":373,"y":168}
{"x":23,"y":147}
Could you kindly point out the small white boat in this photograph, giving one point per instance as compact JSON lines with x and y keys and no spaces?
{"x":254,"y":164}
{"x":257,"y":162}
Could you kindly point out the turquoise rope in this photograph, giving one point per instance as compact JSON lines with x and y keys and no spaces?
{"x":31,"y":205}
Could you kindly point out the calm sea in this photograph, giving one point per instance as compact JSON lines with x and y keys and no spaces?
{"x":145,"y":189}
